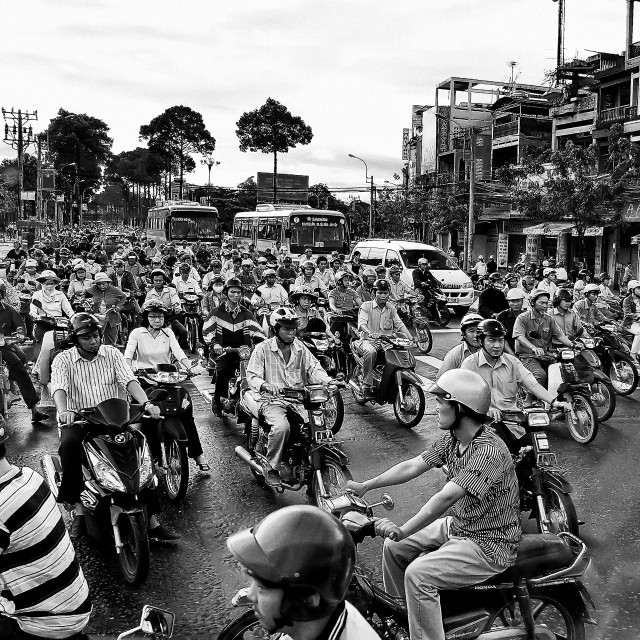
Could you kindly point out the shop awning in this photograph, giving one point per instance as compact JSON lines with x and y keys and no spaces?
{"x":548,"y":229}
{"x":555,"y":228}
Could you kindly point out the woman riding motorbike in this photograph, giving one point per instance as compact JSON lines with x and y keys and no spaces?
{"x":152,"y":344}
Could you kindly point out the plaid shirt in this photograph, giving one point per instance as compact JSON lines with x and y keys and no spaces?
{"x":267,"y":365}
{"x":489,"y":513}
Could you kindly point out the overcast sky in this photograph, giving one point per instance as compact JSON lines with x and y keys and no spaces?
{"x":350,"y":68}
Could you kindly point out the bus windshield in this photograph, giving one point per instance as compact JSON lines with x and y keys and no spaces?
{"x":189,"y":226}
{"x":317,"y":231}
{"x":438,"y":260}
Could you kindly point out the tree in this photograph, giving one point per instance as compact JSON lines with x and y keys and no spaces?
{"x":176,"y":134}
{"x":248,"y":194}
{"x":272,"y":129}
{"x":321,"y":198}
{"x":82,"y":140}
{"x":564,"y":185}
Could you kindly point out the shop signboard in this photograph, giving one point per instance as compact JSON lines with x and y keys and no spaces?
{"x":503,"y":250}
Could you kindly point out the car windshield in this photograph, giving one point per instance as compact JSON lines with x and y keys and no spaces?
{"x":438,"y":260}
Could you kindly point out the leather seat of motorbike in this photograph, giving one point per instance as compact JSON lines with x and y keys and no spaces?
{"x":539,"y":553}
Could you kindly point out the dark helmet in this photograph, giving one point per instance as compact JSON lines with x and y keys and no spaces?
{"x":495,"y":277}
{"x":562,"y":294}
{"x":233,"y":282}
{"x":82,"y":323}
{"x":153,"y":305}
{"x":303,"y":550}
{"x":381,"y":285}
{"x":491,"y":328}
{"x":603,"y":276}
{"x":511,"y":276}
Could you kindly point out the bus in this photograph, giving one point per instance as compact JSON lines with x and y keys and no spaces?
{"x":183,"y":220}
{"x":296,"y":226}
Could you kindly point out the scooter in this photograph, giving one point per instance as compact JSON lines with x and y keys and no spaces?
{"x":541,"y":597}
{"x":192,"y":318}
{"x":434,"y":304}
{"x":118,"y":471}
{"x":311,"y":457}
{"x":163,"y":386}
{"x":412,"y":314}
{"x":544,"y":490}
{"x":566,"y":382}
{"x":237,"y":383}
{"x":394,"y":381}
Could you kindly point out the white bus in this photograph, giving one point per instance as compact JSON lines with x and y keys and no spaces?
{"x":183,"y":220}
{"x":296,"y":226}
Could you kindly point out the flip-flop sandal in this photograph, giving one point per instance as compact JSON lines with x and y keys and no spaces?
{"x":203,"y":467}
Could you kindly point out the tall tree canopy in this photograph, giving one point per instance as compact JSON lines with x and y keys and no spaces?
{"x":272,"y":129}
{"x":81,"y":139}
{"x":176,"y":134}
{"x":139,"y":165}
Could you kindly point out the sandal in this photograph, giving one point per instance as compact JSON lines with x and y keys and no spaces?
{"x":203,"y":466}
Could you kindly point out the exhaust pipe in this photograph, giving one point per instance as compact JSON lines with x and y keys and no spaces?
{"x":245,"y":456}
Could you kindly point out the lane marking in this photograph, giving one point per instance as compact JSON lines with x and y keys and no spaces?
{"x":432,"y":361}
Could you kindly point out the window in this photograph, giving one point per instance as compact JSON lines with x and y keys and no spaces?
{"x":437,"y":259}
{"x":242,"y":228}
{"x":375,"y":257}
{"x":392,"y":258}
{"x":262,"y":228}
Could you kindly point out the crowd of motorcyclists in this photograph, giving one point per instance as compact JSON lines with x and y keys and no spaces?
{"x":80,"y":307}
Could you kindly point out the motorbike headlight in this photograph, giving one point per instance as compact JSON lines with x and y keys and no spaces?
{"x":538,"y":419}
{"x":567,"y":354}
{"x":104,"y":473}
{"x":318,"y":395}
{"x":588,"y":343}
{"x":321,"y":345}
{"x":146,"y":466}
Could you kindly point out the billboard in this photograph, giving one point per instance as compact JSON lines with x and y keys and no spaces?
{"x":291,"y":188}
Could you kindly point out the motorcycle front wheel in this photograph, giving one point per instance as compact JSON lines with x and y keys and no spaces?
{"x":176,"y":480}
{"x":584,"y":427}
{"x":413,"y":411}
{"x":560,"y":510}
{"x":192,"y":334}
{"x":244,"y":627}
{"x":334,"y":412}
{"x":547,"y":610}
{"x":424,"y":339}
{"x":134,"y":556}
{"x":334,"y":478}
{"x":623,"y":373}
{"x":603,"y":397}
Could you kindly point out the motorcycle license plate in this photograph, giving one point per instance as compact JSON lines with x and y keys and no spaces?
{"x":324,"y":435}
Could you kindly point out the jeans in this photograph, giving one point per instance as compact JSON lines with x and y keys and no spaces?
{"x":539,"y":372}
{"x":226,"y":366}
{"x":417,"y":567}
{"x":15,"y":361}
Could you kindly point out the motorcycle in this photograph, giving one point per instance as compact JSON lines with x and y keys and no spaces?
{"x":544,"y":490}
{"x":541,"y":597}
{"x":191,"y":310}
{"x":564,"y":379}
{"x":311,"y":458}
{"x":163,"y":386}
{"x":118,"y":469}
{"x":394,"y":381}
{"x":589,"y":366}
{"x":412,"y":314}
{"x":434,"y":304}
{"x":127,"y":317}
{"x":315,"y":338}
{"x":614,"y":353}
{"x":237,"y":383}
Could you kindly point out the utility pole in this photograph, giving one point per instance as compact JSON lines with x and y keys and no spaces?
{"x":372,"y":210}
{"x":560,"y":51}
{"x":472,"y":197}
{"x":19,"y":137}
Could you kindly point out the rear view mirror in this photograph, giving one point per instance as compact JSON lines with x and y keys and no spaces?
{"x":37,"y":303}
{"x":535,"y":335}
{"x":157,"y":622}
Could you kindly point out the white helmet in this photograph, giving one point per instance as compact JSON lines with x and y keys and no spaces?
{"x":285,"y":317}
{"x":591,"y":288}
{"x":30,"y":263}
{"x":515,"y":294}
{"x":548,"y":271}
{"x":632,"y":284}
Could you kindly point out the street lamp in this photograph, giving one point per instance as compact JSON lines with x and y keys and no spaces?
{"x":209,"y":162}
{"x":371,"y":207}
{"x":472,"y":191}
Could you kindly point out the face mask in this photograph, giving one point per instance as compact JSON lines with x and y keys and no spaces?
{"x":49,"y":288}
{"x":218,"y":288}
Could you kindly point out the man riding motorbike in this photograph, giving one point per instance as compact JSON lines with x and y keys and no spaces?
{"x":566,"y":318}
{"x":537,"y":319}
{"x":431,"y":551}
{"x":342,"y":299}
{"x":232,"y":325}
{"x":279,"y":362}
{"x":155,"y":343}
{"x":171,"y":300}
{"x":83,"y":377}
{"x":515,"y":299}
{"x":309,"y":278}
{"x":270,"y":292}
{"x":286,"y":273}
{"x":586,"y":307}
{"x":469,"y":330}
{"x":300,"y":560}
{"x":492,"y":299}
{"x":398,"y":288}
{"x":376,"y":318}
{"x":107,"y":302}
{"x":365,"y":290}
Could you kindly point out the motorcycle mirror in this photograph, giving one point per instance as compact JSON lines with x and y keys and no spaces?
{"x":580,"y":331}
{"x":387,"y":502}
{"x":257,"y":292}
{"x":535,"y":335}
{"x":20,"y":280}
{"x":37,"y":303}
{"x":563,"y":388}
{"x":157,"y":622}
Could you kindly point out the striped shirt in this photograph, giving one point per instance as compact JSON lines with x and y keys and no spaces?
{"x":87,"y":383}
{"x":489,"y":513}
{"x":43,"y":587}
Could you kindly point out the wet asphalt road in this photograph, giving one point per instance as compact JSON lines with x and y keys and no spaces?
{"x":197,"y":578}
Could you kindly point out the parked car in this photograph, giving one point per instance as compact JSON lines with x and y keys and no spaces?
{"x":456,"y":284}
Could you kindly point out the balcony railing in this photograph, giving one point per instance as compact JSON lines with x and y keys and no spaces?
{"x":507,"y":129}
{"x":584,"y":104}
{"x":618,"y":114}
